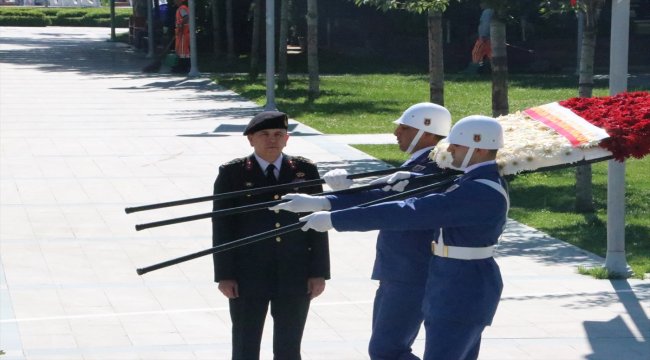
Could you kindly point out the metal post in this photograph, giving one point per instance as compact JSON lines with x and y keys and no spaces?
{"x":615,"y":261}
{"x":113,"y":38}
{"x":194,"y":68}
{"x":270,"y":55}
{"x":150,"y":28}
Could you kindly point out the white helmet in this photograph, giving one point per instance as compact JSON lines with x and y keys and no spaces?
{"x":430,"y":117}
{"x":476,"y":131}
{"x":426,"y":117}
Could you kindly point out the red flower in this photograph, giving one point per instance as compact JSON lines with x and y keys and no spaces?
{"x":625,"y":117}
{"x":573,"y":2}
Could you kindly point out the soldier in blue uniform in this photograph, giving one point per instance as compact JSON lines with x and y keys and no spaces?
{"x":464,"y":282}
{"x":402,"y":256}
{"x":286,"y":271}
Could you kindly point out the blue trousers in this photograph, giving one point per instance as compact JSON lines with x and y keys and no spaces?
{"x":396,"y":319}
{"x":452,"y":340}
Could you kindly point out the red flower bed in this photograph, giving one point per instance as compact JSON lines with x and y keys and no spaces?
{"x":625,"y":117}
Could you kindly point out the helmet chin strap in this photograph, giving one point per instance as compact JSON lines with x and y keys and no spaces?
{"x":414,"y":141}
{"x":468,"y":156}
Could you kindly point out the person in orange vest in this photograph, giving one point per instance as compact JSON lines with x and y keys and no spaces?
{"x":182,"y":33}
{"x":482,"y":48}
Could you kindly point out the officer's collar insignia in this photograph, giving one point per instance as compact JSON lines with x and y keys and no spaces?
{"x":477,"y":137}
{"x":452,"y":188}
{"x":427,"y":121}
{"x":418,"y":168}
{"x":248,"y":184}
{"x":291,"y":164}
{"x":300,"y":174}
{"x":249,"y":164}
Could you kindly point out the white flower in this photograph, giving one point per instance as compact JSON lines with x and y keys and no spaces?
{"x":528,"y":145}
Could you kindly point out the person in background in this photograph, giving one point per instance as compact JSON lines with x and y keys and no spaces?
{"x":482,"y":48}
{"x":285,"y":272}
{"x":464,"y":282}
{"x":402,"y":256}
{"x":182,"y":38}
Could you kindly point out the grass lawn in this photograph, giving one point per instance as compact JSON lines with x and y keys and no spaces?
{"x":367,"y":103}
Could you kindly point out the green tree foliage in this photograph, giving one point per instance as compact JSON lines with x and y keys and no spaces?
{"x":417,"y":6}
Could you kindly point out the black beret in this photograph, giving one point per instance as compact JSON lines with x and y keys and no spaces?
{"x":267,"y":120}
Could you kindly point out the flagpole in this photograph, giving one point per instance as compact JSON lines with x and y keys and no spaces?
{"x":615,"y":261}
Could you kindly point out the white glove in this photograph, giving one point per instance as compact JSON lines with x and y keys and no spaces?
{"x":399,"y":187}
{"x":395,"y":182}
{"x":320,"y":221}
{"x":337,"y":179}
{"x":303,"y":203}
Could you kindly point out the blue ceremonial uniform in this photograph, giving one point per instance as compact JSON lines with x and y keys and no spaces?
{"x":461,"y":296}
{"x":401,"y":263}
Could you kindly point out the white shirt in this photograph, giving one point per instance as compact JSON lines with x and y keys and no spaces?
{"x":264,"y":164}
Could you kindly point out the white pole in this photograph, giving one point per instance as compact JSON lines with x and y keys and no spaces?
{"x":270,"y":56}
{"x":194,"y":68}
{"x":150,"y":28}
{"x":615,"y":261}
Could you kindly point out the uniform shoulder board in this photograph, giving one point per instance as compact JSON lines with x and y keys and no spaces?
{"x":235,"y":161}
{"x":300,"y":159}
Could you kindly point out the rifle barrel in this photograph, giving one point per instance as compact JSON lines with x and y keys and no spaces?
{"x":263,"y":205}
{"x":255,"y":191}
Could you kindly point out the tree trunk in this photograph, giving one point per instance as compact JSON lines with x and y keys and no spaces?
{"x":254,"y":71}
{"x":283,"y":78}
{"x":436,"y":64}
{"x":499,"y":64}
{"x":312,"y":48}
{"x":230,"y":33}
{"x":216,"y":35}
{"x":584,"y":201}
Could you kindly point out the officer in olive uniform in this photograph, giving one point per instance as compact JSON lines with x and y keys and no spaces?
{"x":286,"y":271}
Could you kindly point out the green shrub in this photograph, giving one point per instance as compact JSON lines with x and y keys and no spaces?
{"x":101,"y":17}
{"x":24,"y":20}
{"x":67,"y":21}
{"x":70,"y":13}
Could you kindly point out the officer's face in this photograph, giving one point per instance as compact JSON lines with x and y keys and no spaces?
{"x":458,"y":153}
{"x":269,"y":143}
{"x":404,"y":135}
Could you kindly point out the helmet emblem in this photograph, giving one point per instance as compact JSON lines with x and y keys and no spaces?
{"x":477,"y":137}
{"x":427,"y":122}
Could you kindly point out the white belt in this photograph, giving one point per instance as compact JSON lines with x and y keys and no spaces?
{"x":462,"y":253}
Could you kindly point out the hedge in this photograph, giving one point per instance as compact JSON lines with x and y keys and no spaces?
{"x":93,"y":17}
